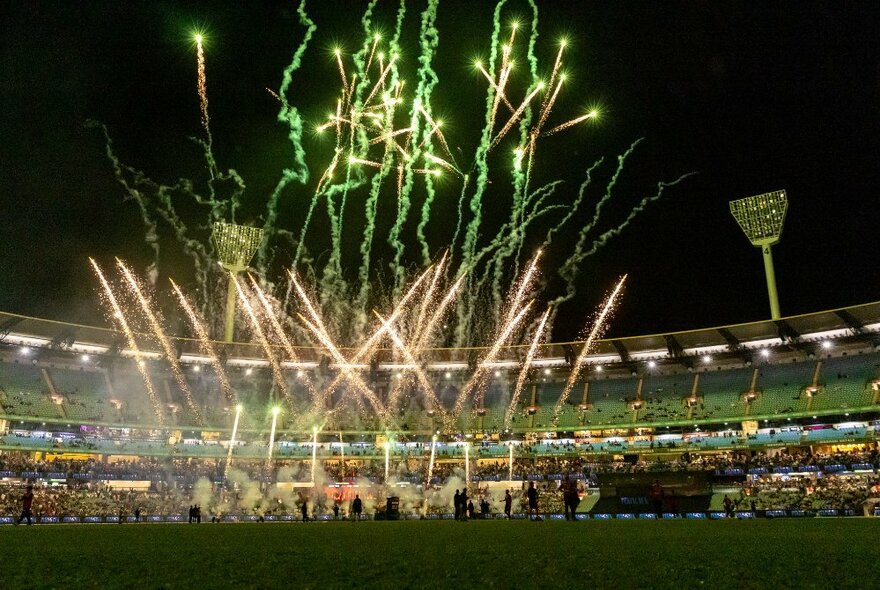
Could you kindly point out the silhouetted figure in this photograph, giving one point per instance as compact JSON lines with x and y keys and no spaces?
{"x":27,"y":502}
{"x":484,"y":509}
{"x":198,"y":514}
{"x":728,"y":506}
{"x":463,"y":503}
{"x":192,"y":513}
{"x":508,"y":502}
{"x":532,"y":497}
{"x":570,"y":497}
{"x":357,"y":507}
{"x":470,"y":509}
{"x":336,"y":511}
{"x":656,"y":495}
{"x":137,"y":514}
{"x":456,"y":504}
{"x":305,"y":510}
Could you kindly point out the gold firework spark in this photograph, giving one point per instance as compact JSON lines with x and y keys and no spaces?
{"x":264,"y":342}
{"x":170,"y":353}
{"x":524,"y":371}
{"x":132,"y":343}
{"x":205,"y":345}
{"x":598,"y":327}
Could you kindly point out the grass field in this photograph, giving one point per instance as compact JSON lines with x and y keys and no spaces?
{"x":814,"y":553}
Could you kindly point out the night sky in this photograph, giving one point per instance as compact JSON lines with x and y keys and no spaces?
{"x":753,"y":96}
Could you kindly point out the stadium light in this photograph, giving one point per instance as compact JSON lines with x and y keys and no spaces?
{"x":761,"y":218}
{"x":236,"y":245}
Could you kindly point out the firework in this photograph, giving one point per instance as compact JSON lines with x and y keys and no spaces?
{"x":524,"y":370}
{"x":170,"y":354}
{"x":205,"y":345}
{"x":202,"y":83}
{"x":132,"y":343}
{"x":280,"y":381}
{"x":598,"y":326}
{"x":389,"y":148}
{"x":591,"y":115}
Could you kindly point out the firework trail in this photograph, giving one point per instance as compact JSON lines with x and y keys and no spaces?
{"x":156,"y":202}
{"x":411,"y":360}
{"x":170,"y":353}
{"x":504,"y":76}
{"x":595,"y":333}
{"x":427,"y":80}
{"x":367,"y":348}
{"x":132,"y":343}
{"x":269,"y":314}
{"x":526,"y":366}
{"x":345,"y":365}
{"x":429,"y":296}
{"x":277,"y":373}
{"x":498,"y":91}
{"x":570,"y":268}
{"x":482,"y":176}
{"x":572,"y":123}
{"x":525,"y":283}
{"x":575,"y":206}
{"x":429,"y":40}
{"x":151,"y":227}
{"x":203,"y":94}
{"x":516,"y":115}
{"x":289,"y":116}
{"x":547,"y":104}
{"x":346,"y":368}
{"x":477,"y":378}
{"x":451,"y":294}
{"x":205,"y":345}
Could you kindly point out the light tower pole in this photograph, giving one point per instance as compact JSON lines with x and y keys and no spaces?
{"x":761,"y":218}
{"x":236,"y":245}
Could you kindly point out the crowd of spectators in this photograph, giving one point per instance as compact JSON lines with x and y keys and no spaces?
{"x":842,"y":492}
{"x":416,"y":467}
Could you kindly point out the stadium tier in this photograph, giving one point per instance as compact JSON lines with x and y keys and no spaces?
{"x":821,"y":368}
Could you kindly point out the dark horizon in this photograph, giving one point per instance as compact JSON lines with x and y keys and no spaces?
{"x":751,"y":98}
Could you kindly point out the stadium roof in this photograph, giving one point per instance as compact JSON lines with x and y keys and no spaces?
{"x":802,"y":330}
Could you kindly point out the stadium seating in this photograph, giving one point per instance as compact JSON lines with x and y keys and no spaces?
{"x":83,"y":395}
{"x":782,"y":388}
{"x":26,"y":393}
{"x":845,"y":381}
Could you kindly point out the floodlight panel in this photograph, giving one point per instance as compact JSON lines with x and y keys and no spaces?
{"x":761,"y":217}
{"x":236,"y":244}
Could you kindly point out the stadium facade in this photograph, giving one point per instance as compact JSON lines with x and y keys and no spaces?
{"x":794,"y":375}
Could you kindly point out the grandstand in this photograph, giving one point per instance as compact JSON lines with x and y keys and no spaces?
{"x":713,"y":411}
{"x":796,"y":368}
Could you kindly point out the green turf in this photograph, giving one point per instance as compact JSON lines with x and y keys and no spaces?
{"x":814,"y":553}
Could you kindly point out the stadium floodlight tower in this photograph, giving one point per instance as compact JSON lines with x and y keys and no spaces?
{"x":236,"y":245}
{"x":761,"y":218}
